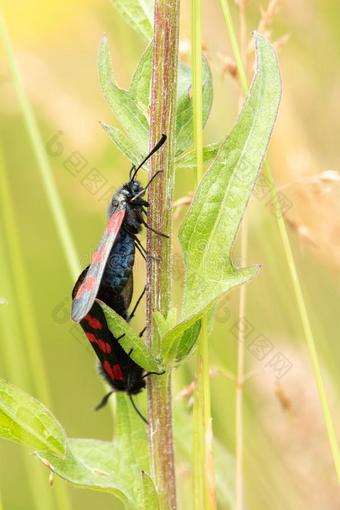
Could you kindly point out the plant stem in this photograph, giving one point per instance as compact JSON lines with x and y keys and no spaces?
{"x":301,"y":305}
{"x":239,"y":423}
{"x":163,"y":111}
{"x":239,"y":476}
{"x":203,"y":470}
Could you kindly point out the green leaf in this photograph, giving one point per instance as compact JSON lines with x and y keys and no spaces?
{"x":188,"y":159}
{"x":129,"y":427}
{"x":119,"y":467}
{"x":184,"y":113}
{"x":209,"y":229}
{"x":151,"y":499}
{"x":179,"y":341}
{"x":99,"y":465}
{"x":183,"y":346}
{"x":210,"y":226}
{"x":176,"y":343}
{"x":123,"y":143}
{"x":25,"y":420}
{"x":138,"y":14}
{"x":140,"y":87}
{"x":140,"y":353}
{"x":132,"y":119}
{"x":165,"y":324}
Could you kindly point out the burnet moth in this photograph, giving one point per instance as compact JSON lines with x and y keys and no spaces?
{"x":113,"y":259}
{"x":109,"y":278}
{"x":115,"y":365}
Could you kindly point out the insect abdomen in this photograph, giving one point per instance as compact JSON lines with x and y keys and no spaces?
{"x":120,"y":262}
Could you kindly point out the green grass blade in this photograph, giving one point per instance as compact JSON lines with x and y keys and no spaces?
{"x":24,"y":300}
{"x":308,"y":332}
{"x":12,"y":349}
{"x":204,"y":479}
{"x":41,"y":156}
{"x":30,"y":345}
{"x":234,"y":44}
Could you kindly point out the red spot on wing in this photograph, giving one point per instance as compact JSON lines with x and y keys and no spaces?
{"x":108,"y":369}
{"x":93,"y":322}
{"x":103,"y":346}
{"x":113,"y":371}
{"x":87,"y":284}
{"x":91,"y":337}
{"x":117,"y":372}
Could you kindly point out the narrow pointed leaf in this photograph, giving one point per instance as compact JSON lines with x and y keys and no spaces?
{"x":151,"y":499}
{"x":124,"y":144}
{"x":131,"y":430}
{"x":138,"y":14}
{"x":123,"y":106}
{"x":184,"y":113}
{"x":210,"y":227}
{"x":140,"y":353}
{"x":140,"y":88}
{"x":187,"y":159}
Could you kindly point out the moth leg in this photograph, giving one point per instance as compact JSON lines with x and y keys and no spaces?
{"x":153,"y":373}
{"x":137,"y":410}
{"x":103,"y":401}
{"x":142,"y":332}
{"x":132,"y":314}
{"x":144,"y":254}
{"x":140,"y":247}
{"x":153,"y":230}
{"x":140,"y":251}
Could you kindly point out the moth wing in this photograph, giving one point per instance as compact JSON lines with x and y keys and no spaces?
{"x":88,"y":289}
{"x":104,"y":344}
{"x":79,"y":281}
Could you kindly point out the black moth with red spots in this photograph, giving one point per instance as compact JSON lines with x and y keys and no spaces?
{"x":116,"y":366}
{"x":113,"y":260}
{"x":109,"y":278}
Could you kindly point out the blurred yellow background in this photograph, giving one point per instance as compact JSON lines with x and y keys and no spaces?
{"x":288,"y":461}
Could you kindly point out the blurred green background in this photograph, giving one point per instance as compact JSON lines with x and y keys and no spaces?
{"x":288,"y":464}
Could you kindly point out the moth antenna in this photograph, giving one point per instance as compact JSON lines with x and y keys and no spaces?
{"x":155,"y":149}
{"x":131,"y":170}
{"x":103,"y":401}
{"x":137,"y":410}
